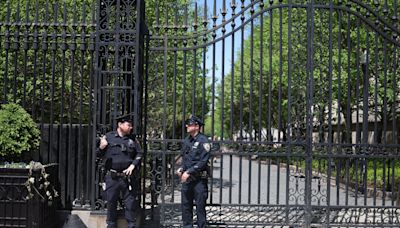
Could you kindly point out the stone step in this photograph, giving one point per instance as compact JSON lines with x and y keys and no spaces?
{"x":148,"y":218}
{"x":97,"y":219}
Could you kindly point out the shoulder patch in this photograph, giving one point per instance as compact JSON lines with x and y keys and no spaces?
{"x":207,"y":146}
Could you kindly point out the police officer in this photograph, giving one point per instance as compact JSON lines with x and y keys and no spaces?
{"x":122,"y":154}
{"x":193,"y":173}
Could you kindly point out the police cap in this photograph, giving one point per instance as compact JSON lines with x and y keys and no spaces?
{"x":125,"y":118}
{"x":194,"y":120}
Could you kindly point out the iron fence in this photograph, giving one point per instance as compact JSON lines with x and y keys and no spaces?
{"x":295,"y":97}
{"x":300,"y":100}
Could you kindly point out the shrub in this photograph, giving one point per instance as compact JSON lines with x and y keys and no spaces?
{"x":19,"y":133}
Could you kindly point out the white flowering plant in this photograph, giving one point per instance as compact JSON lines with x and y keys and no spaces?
{"x":39,"y":183}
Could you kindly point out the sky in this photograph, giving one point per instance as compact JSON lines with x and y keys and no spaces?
{"x":228,"y":40}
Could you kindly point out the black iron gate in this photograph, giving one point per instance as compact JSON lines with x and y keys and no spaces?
{"x":300,"y":99}
{"x":118,"y":75}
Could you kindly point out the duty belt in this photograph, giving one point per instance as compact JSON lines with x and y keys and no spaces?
{"x":201,"y":174}
{"x":114,"y":173}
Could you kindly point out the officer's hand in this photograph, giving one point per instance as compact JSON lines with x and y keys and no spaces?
{"x":103,"y":142}
{"x":179,"y":172}
{"x":185,"y":177}
{"x":129,"y":170}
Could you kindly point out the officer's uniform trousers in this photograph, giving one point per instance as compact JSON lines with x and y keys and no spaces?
{"x":114,"y":186}
{"x":196,"y":190}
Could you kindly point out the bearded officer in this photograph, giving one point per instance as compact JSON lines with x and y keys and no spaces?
{"x":194,"y":173}
{"x":122,"y":154}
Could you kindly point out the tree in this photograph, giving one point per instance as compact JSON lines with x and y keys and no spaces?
{"x":177,"y":85}
{"x":45,"y":57}
{"x":48,"y":60}
{"x":261,"y":74}
{"x":333,"y":42}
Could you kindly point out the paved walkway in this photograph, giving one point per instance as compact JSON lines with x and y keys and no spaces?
{"x":254,"y":191}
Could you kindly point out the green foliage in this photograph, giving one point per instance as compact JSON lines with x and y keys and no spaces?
{"x":49,"y":61}
{"x":269,"y":83}
{"x":18,"y":132}
{"x":259,"y":85}
{"x":175,"y":77}
{"x":45,"y":58}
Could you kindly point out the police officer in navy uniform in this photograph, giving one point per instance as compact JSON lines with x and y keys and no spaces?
{"x":122,"y":154}
{"x":194,"y":172}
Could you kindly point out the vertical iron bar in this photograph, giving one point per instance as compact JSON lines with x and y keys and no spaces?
{"x":357,"y":96}
{"x":116,"y":67}
{"x":330,"y":99}
{"x":231,"y":134}
{"x":309,"y":104}
{"x":203,"y":79}
{"x":35,"y":47}
{"x":26,"y":48}
{"x":250,"y":128}
{"x":137,"y":93}
{"x":260,"y":100}
{"x":145,"y":121}
{"x":194,"y":76}
{"x":185,"y":42}
{"x":289,"y":123}
{"x":79,"y":176}
{"x":385,"y":183}
{"x":82,"y":47}
{"x":90,"y":165}
{"x":174,"y":76}
{"x":279,"y":140}
{"x":42,"y":92}
{"x":164,"y":119}
{"x":269,"y":113}
{"x":396,"y":101}
{"x":53,"y":84}
{"x":394,"y":105}
{"x":174,"y":96}
{"x":365,"y":114}
{"x":75,"y":178}
{"x":6,"y":47}
{"x":242,"y":17}
{"x":16,"y":51}
{"x":233,"y":6}
{"x":63,"y":156}
{"x":213,"y":35}
{"x":96,"y":104}
{"x":348,"y":109}
{"x":339,"y":150}
{"x":213,"y":81}
{"x":375,"y":114}
{"x":250,"y":131}
{"x":222,"y":97}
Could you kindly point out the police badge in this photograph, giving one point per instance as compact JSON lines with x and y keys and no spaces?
{"x":207,"y":146}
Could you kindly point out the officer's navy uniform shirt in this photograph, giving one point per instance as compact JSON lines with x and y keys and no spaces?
{"x":123,"y":151}
{"x":194,"y":153}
